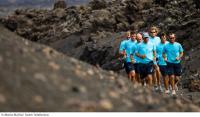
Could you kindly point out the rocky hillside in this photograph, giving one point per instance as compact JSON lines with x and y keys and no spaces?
{"x":41,"y":3}
{"x":34,"y":77}
{"x":92,"y":26}
{"x":9,"y":6}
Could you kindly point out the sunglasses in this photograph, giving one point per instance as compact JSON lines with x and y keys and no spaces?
{"x":172,"y":38}
{"x":153,"y":32}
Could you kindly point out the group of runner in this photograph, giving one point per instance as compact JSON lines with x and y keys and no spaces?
{"x":149,"y":58}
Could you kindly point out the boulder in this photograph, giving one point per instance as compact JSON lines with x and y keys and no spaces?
{"x":60,"y":4}
{"x":194,"y":86}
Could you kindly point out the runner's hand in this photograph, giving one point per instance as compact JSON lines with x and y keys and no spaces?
{"x":165,"y":59}
{"x":125,"y":56}
{"x":132,"y":61}
{"x":143,"y":56}
{"x":154,"y":59}
{"x":178,"y":58}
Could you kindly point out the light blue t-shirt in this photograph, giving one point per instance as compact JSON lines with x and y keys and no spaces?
{"x":159,"y":53}
{"x":155,"y":40}
{"x":122,"y":45}
{"x":172,"y":51}
{"x":137,"y":59}
{"x":146,"y":49}
{"x":129,"y":48}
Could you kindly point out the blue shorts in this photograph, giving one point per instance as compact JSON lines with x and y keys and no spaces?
{"x":145,"y":69}
{"x":129,"y":67}
{"x":137,"y":69}
{"x":174,"y":69}
{"x":163,"y":70}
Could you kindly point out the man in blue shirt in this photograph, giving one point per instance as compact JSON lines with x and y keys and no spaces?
{"x":129,"y":48}
{"x":155,"y":40}
{"x":146,"y":52}
{"x":161,"y":62}
{"x":172,"y":53}
{"x":122,"y":44}
{"x":134,"y":58}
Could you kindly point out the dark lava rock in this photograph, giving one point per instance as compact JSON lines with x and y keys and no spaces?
{"x":194,"y":85}
{"x":60,"y":4}
{"x":35,"y":77}
{"x":98,"y":4}
{"x":86,"y":23}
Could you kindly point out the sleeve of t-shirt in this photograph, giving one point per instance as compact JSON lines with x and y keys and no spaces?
{"x":121,"y":47}
{"x":180,"y":48}
{"x":154,"y":47}
{"x":158,"y":40}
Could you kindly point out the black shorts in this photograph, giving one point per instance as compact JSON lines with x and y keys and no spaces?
{"x":163,"y":70}
{"x":137,"y":69}
{"x":145,"y":69}
{"x":174,"y":69}
{"x":128,"y":67}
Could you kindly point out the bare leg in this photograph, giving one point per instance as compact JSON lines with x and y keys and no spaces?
{"x":166,"y":82}
{"x":158,"y":76}
{"x":129,"y":75}
{"x":172,"y":81}
{"x":154,"y":78}
{"x":137,"y":77}
{"x":149,"y":81}
{"x":133,"y":79}
{"x":177,"y":80}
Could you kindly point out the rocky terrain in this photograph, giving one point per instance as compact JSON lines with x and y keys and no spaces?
{"x":92,"y":32}
{"x":8,"y":6}
{"x":35,"y":77}
{"x":41,"y":3}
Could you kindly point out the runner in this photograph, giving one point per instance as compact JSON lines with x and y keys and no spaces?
{"x":172,"y":53}
{"x":122,"y":52}
{"x":161,"y":62}
{"x":122,"y":44}
{"x":146,"y":51}
{"x":156,"y":74}
{"x":135,"y":58}
{"x":130,"y":46}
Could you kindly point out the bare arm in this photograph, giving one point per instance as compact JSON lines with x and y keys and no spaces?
{"x":180,"y":56}
{"x":132,"y":58}
{"x":154,"y":54}
{"x":141,"y":56}
{"x":164,"y":56}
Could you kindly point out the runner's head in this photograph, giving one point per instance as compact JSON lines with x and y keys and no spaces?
{"x":153,"y":31}
{"x":128,"y":34}
{"x":139,"y":37}
{"x":172,"y":37}
{"x":133,"y":35}
{"x":145,"y":37}
{"x":163,"y":37}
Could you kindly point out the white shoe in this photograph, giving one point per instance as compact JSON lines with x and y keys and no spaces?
{"x":170,"y":87}
{"x":160,"y":88}
{"x":167,"y":91}
{"x":156,"y":88}
{"x":176,"y":87}
{"x":173,"y":92}
{"x":145,"y":84}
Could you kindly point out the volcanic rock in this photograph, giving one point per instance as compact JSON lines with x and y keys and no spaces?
{"x":60,"y":4}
